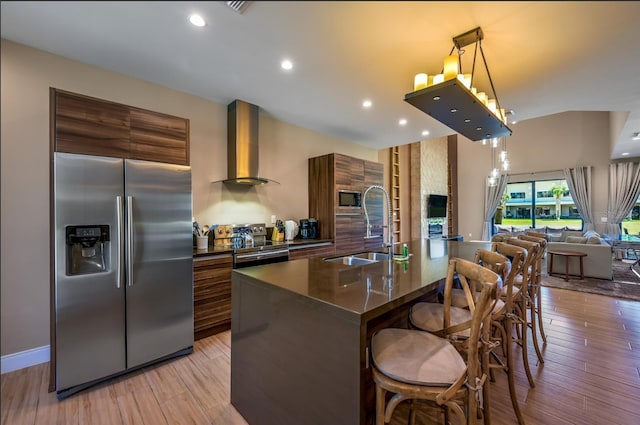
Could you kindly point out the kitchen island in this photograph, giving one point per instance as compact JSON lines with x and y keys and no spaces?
{"x":300,"y":331}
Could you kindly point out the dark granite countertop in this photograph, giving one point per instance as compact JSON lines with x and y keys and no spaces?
{"x":364,"y":291}
{"x":296,"y":243}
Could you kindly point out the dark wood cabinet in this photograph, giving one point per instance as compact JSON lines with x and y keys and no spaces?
{"x":350,"y":233}
{"x":211,"y":294}
{"x":314,"y":250}
{"x":346,"y":226}
{"x":90,"y":126}
{"x":349,"y":172}
{"x":159,"y":137}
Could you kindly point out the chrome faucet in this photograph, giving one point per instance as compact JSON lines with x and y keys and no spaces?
{"x":389,"y":243}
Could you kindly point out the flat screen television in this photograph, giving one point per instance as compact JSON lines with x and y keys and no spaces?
{"x":436,"y":206}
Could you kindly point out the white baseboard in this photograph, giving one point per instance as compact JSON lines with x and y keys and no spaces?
{"x":23,"y":359}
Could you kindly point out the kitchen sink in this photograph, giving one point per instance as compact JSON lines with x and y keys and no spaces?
{"x":359,"y":259}
{"x":350,"y":260}
{"x":375,"y":256}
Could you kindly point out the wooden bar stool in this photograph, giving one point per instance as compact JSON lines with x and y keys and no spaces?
{"x":428,"y":316}
{"x":537,"y":305}
{"x":525,"y":282}
{"x":426,"y":367}
{"x":507,"y":261}
{"x":505,"y":318}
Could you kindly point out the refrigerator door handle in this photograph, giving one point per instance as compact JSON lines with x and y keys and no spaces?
{"x":119,"y":212}
{"x":130,"y":240}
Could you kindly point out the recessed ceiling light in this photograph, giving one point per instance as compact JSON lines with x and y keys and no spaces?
{"x":286,"y":64}
{"x":625,"y":153}
{"x":366,"y":103}
{"x":635,"y":136}
{"x":402,"y":121}
{"x":197,"y":20}
{"x":425,"y":132}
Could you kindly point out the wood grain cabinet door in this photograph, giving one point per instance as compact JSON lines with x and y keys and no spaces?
{"x":159,"y":137}
{"x":90,"y":126}
{"x":375,"y":202}
{"x":349,"y":173}
{"x":350,"y":232}
{"x":211,"y":295}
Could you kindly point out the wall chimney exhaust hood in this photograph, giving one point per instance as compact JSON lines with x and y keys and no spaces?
{"x":242,"y":145}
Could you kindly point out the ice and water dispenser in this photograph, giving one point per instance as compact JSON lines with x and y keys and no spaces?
{"x":87,"y":249}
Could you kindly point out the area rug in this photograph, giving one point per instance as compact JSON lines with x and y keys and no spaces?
{"x":625,"y":283}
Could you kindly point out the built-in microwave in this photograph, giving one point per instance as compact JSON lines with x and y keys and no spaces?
{"x":349,"y":199}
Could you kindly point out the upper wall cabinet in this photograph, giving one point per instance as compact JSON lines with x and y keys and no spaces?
{"x":159,"y":137}
{"x":90,"y":126}
{"x":86,"y":125}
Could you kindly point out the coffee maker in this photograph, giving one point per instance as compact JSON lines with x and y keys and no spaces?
{"x":309,"y":228}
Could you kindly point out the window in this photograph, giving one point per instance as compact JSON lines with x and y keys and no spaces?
{"x":631,"y":223}
{"x":544,"y":194}
{"x":551,"y":206}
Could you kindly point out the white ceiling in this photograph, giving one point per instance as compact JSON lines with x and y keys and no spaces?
{"x":544,"y":57}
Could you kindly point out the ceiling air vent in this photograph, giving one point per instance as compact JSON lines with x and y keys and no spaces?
{"x":238,"y":6}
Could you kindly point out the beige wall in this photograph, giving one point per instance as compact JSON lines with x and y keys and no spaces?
{"x":434,"y":168}
{"x":550,"y":143}
{"x":26,"y":75}
{"x":577,"y":138}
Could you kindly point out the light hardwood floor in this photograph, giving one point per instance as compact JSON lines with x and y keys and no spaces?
{"x":591,"y":375}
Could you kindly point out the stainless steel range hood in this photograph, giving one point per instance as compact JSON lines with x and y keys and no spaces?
{"x":242,"y":145}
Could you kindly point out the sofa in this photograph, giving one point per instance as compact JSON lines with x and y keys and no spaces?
{"x":597,"y":263}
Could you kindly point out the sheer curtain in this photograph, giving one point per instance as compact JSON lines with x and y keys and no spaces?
{"x":493,"y":195}
{"x":624,"y":189}
{"x":579,"y":182}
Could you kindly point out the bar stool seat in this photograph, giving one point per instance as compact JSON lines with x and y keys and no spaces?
{"x":416,"y":357}
{"x":428,"y":317}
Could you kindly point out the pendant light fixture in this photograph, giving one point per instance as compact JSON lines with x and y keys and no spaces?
{"x":451,"y":98}
{"x":499,"y":159}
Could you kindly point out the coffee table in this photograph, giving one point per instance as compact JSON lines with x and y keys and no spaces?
{"x":566,"y":255}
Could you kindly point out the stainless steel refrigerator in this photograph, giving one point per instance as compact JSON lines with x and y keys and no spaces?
{"x":123,"y":266}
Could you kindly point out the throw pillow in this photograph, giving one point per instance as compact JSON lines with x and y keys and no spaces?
{"x":576,"y":239}
{"x":555,"y":231}
{"x":567,"y":233}
{"x":594,"y":240}
{"x":590,"y":233}
{"x":503,"y":229}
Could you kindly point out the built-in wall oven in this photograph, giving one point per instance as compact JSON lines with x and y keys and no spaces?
{"x":250,"y":245}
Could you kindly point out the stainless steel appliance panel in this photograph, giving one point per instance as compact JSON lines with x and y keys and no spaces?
{"x":89,"y":308}
{"x":160,"y":250}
